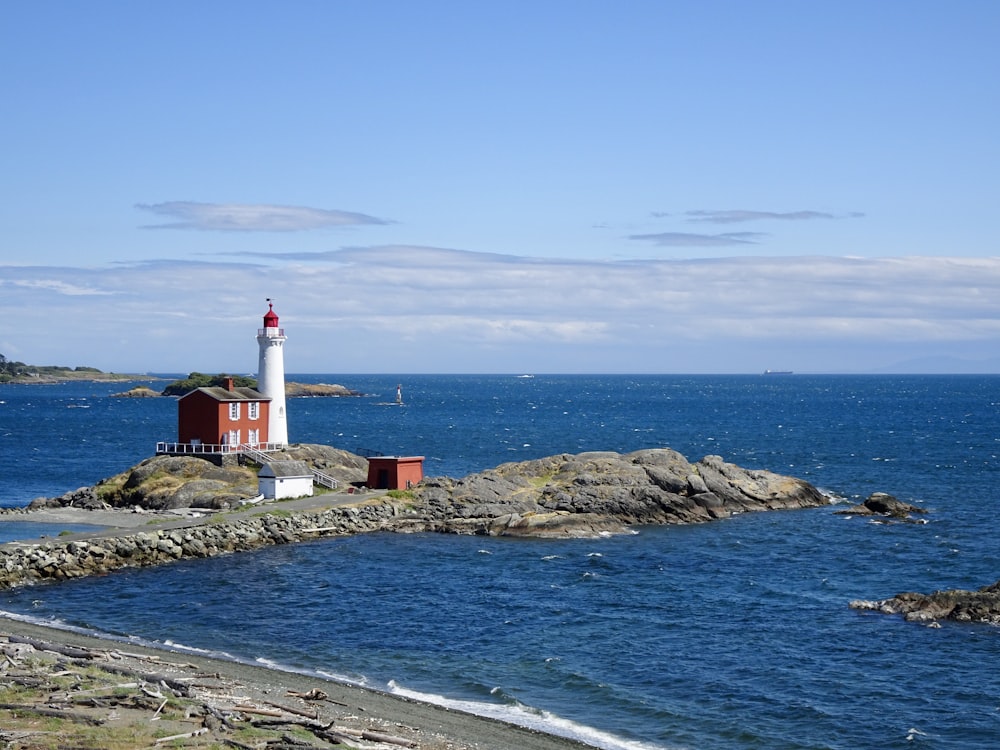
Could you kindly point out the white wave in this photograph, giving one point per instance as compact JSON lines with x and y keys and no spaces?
{"x":530,"y":718}
{"x":57,"y":624}
{"x":169,"y":645}
{"x":913,"y":733}
{"x":212,"y":654}
{"x":336,"y":677}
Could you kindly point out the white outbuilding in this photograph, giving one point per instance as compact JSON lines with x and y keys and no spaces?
{"x":278,"y":480}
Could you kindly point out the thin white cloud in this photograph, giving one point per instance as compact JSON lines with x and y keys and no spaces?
{"x":394,"y":256}
{"x":688,"y":239}
{"x":738,"y":216}
{"x":58,"y":286}
{"x":241,"y":217}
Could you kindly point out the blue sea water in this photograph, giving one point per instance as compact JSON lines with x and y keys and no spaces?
{"x":734,"y":634}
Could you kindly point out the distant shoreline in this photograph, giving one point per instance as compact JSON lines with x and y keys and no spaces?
{"x":77,"y":376}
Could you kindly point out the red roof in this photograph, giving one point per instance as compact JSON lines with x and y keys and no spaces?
{"x":271,"y":318}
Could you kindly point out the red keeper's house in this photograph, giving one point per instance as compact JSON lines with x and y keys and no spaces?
{"x":394,"y":472}
{"x":221,"y":419}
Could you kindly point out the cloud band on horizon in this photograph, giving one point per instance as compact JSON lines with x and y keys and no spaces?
{"x":435,"y":307}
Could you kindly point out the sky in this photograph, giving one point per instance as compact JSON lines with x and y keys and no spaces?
{"x":554,"y":186}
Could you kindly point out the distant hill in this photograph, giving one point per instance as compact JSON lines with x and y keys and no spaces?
{"x":201,"y":380}
{"x":19,"y":372}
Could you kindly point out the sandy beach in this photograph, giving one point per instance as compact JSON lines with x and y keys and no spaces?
{"x":61,"y":689}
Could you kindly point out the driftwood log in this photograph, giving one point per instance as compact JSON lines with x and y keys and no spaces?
{"x":52,"y":713}
{"x":72,"y":652}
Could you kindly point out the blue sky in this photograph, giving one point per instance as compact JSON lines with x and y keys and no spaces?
{"x":556,"y":186}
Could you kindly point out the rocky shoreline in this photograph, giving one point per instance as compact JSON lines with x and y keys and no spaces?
{"x":56,"y":375}
{"x":563,"y":496}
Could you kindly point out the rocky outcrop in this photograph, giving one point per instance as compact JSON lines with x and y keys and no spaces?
{"x":584,"y":493}
{"x":601,"y":492}
{"x":310,"y":390}
{"x":345,"y":467}
{"x":886,"y":506}
{"x":956,"y":604}
{"x":173,"y":482}
{"x":140,"y":391}
{"x":200,"y":380}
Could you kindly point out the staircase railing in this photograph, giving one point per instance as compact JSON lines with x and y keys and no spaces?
{"x":254,"y":454}
{"x":324,"y":480}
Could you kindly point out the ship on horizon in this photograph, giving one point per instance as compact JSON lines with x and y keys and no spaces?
{"x":777,"y":372}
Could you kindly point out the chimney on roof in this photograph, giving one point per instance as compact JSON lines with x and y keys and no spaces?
{"x":229,"y":384}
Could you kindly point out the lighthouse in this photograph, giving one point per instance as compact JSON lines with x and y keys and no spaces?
{"x":271,"y":375}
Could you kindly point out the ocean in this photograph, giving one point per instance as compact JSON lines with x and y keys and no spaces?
{"x":730,"y":635}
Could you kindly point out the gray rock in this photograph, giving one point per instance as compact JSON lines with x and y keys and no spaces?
{"x":982,"y":606}
{"x":649,"y":486}
{"x":883,"y":504}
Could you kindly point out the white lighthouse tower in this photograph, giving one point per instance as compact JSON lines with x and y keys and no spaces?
{"x":271,"y":375}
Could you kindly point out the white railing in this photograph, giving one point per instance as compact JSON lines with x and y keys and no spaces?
{"x":324,"y":480}
{"x":207,"y":449}
{"x":255,"y":454}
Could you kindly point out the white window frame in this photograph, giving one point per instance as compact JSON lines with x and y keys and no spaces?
{"x":253,"y":410}
{"x":234,"y":411}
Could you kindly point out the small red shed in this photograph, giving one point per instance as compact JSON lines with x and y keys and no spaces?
{"x":394,"y":472}
{"x":223,"y":417}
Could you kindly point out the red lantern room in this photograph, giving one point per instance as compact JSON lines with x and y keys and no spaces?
{"x":271,"y":318}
